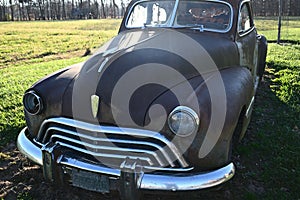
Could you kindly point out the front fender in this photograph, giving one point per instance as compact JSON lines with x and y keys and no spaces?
{"x":51,"y":90}
{"x":209,"y":148}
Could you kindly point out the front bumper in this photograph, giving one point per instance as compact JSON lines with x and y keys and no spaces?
{"x":141,"y":180}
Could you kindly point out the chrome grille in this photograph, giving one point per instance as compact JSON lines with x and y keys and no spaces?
{"x":112,"y":144}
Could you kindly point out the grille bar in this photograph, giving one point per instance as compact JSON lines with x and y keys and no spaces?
{"x":62,"y":131}
{"x":91,"y":147}
{"x":106,"y":140}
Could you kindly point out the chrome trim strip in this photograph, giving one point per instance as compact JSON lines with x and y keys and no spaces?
{"x":28,"y":148}
{"x":256,"y":83}
{"x":112,"y":130}
{"x":250,"y":107}
{"x":83,"y":136}
{"x":251,"y":104}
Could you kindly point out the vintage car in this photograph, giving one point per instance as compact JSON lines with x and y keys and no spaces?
{"x":158,"y":108}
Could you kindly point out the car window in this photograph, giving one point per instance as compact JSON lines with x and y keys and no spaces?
{"x":245,"y":22}
{"x":205,"y":15}
{"x":210,"y":15}
{"x":150,"y":13}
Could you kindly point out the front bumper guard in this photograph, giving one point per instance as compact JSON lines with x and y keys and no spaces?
{"x":130,"y":175}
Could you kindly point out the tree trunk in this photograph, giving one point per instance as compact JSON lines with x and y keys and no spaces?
{"x":103,"y":9}
{"x":97,"y":9}
{"x":80,"y":9}
{"x":20,"y":12}
{"x":23,"y":13}
{"x":3,"y":11}
{"x":115,"y":6}
{"x":63,"y":10}
{"x":49,"y":10}
{"x":58,"y":8}
{"x":28,"y":10}
{"x":122,"y":8}
{"x":11,"y":10}
{"x":1,"y":14}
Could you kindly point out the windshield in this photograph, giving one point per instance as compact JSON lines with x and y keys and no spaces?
{"x":151,"y":13}
{"x":205,"y":15}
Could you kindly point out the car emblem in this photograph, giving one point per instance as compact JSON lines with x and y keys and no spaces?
{"x":95,"y":104}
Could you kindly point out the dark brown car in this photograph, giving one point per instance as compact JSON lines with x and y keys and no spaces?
{"x":159,"y":107}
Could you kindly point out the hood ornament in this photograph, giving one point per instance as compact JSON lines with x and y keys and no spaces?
{"x":95,"y":105}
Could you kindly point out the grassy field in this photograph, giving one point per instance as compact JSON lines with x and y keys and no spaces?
{"x":283,"y":60}
{"x":26,"y":43}
{"x":268,"y":161}
{"x":29,"y":51}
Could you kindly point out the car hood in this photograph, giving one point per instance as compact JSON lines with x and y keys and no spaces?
{"x":118,"y":84}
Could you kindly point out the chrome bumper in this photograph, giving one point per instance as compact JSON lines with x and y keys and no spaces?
{"x":147,"y":181}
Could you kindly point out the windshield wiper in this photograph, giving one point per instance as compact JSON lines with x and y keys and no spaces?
{"x":191,"y":26}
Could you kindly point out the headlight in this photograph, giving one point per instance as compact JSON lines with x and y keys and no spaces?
{"x":32,"y":103}
{"x":183,"y":121}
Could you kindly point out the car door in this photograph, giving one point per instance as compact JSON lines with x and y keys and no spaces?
{"x":246,"y":39}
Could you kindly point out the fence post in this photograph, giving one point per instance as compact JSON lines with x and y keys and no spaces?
{"x":279,"y":21}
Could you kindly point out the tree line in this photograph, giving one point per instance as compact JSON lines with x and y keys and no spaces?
{"x":22,"y":10}
{"x":271,"y":7}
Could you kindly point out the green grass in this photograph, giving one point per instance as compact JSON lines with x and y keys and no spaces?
{"x":31,"y":50}
{"x":286,"y":70}
{"x":13,"y":83}
{"x":290,"y":30}
{"x":283,"y":59}
{"x":35,"y":42}
{"x":269,"y":155}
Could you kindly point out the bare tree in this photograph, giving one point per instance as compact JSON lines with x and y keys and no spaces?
{"x":28,"y":8}
{"x":11,"y":10}
{"x":96,"y":6}
{"x":64,"y":14}
{"x":3,"y":15}
{"x":115,"y":7}
{"x":122,"y":8}
{"x":103,"y":9}
{"x":41,"y":5}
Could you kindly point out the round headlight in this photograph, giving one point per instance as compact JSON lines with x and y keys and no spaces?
{"x":32,"y":103}
{"x":183,"y":121}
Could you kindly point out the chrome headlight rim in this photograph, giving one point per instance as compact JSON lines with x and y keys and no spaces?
{"x":188,"y":111}
{"x":32,"y":102}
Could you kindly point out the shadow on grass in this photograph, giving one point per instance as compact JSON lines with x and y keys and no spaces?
{"x":270,"y":152}
{"x":295,"y":42}
{"x":9,"y":134}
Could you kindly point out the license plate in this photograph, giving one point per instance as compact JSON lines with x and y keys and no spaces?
{"x":90,"y":181}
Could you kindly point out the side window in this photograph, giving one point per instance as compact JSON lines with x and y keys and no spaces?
{"x":245,"y":20}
